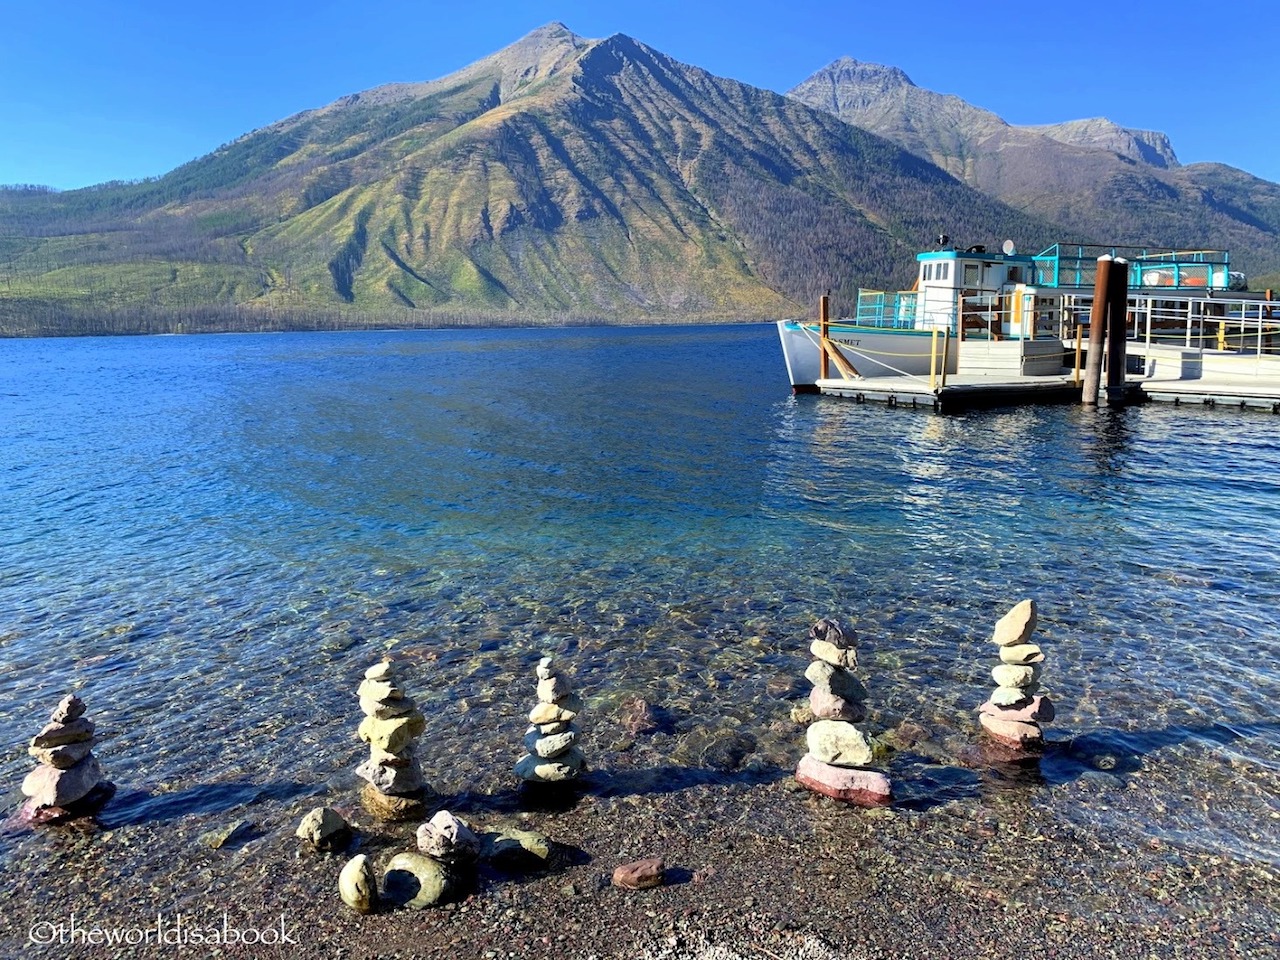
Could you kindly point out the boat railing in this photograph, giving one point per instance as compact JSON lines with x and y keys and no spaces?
{"x":984,"y":313}
{"x":1075,"y":265}
{"x":1241,"y":324}
{"x":888,"y":310}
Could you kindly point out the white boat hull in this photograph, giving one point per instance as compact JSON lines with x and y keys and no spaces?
{"x":871,"y":351}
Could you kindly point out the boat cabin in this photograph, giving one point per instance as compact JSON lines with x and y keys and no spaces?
{"x":1008,"y":295}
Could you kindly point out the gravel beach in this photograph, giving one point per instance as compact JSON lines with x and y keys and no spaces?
{"x":755,"y":869}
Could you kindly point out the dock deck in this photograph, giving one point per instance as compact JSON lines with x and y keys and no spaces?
{"x":1247,"y":394}
{"x":971,"y":392}
{"x":960,"y":392}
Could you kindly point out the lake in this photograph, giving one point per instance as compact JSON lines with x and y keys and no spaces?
{"x":209,"y":538}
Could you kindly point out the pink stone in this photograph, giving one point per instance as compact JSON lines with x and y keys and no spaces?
{"x":1014,"y":733}
{"x":865,"y":788}
{"x":1037,"y":710}
{"x":640,"y":875}
{"x":827,"y":706}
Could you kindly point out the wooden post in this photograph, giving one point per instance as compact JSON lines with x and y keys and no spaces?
{"x":933,"y":357}
{"x":1117,"y":330}
{"x":1079,"y":350}
{"x":824,"y":329}
{"x":1097,"y":333}
{"x":946,"y":349}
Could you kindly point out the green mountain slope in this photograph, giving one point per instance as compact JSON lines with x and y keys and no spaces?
{"x":1103,"y":182}
{"x":558,"y":178}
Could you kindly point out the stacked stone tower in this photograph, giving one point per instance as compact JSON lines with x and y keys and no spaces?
{"x":839,"y":758}
{"x":1013,"y":713}
{"x":553,"y":755}
{"x":67,"y":782}
{"x":395,"y":789}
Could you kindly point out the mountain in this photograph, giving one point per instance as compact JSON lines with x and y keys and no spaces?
{"x":1141,"y":146}
{"x":559,"y":178}
{"x":1102,"y":182}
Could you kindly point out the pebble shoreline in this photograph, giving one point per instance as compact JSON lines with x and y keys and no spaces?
{"x":750,"y":867}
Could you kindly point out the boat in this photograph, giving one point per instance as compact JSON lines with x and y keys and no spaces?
{"x":983,"y":315}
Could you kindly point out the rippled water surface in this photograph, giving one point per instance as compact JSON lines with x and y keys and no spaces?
{"x":211,"y":537}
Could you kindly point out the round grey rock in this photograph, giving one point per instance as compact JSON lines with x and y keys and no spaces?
{"x":414,"y":881}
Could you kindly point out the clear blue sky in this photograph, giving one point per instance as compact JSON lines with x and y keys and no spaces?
{"x":93,"y":91}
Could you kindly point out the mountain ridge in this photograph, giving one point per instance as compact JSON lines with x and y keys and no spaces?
{"x":558,"y":177}
{"x":1100,"y":181}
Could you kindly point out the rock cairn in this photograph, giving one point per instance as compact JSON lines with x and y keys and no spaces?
{"x":395,"y":789}
{"x":1013,"y":713}
{"x":839,"y":755}
{"x":67,"y":782}
{"x":553,"y":754}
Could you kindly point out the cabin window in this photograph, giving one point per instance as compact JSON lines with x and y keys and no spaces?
{"x":928,"y":271}
{"x":944,"y":270}
{"x":1015,"y":275}
{"x":970,"y":274}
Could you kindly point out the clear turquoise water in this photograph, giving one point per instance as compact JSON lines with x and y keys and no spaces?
{"x":210,"y":538}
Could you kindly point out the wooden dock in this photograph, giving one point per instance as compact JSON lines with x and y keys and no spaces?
{"x":975,"y":392}
{"x":960,"y":392}
{"x":1236,"y":392}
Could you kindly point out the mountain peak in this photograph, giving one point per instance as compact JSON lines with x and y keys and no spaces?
{"x":847,"y":86}
{"x":553,"y":29}
{"x":849,"y":69}
{"x":1143,"y":146}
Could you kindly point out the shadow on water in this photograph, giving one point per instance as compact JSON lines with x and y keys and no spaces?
{"x":923,"y":782}
{"x":1121,"y":752}
{"x":135,"y":807}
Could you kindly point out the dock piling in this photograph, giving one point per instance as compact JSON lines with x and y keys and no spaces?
{"x":1117,"y":330}
{"x":824,"y":332}
{"x":1097,"y":332}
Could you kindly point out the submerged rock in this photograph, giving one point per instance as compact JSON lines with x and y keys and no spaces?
{"x":228,"y":835}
